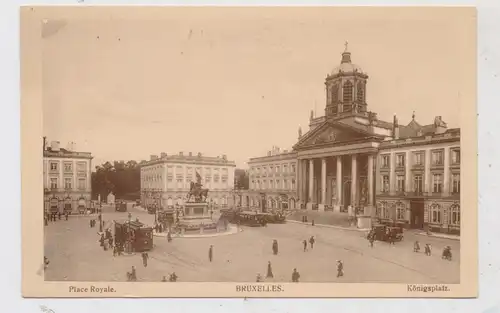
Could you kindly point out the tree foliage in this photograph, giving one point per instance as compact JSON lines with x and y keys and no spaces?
{"x":121,"y":178}
{"x":241,"y":179}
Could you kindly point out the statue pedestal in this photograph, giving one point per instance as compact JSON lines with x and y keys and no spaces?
{"x":364,"y":222}
{"x":196,"y":217}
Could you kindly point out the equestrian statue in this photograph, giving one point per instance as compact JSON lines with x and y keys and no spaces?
{"x":200,"y":194}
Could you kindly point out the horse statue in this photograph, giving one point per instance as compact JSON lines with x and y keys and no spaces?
{"x":200,"y":194}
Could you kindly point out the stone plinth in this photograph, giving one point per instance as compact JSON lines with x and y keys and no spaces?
{"x":364,"y":222}
{"x":196,"y":210}
{"x":196,"y":218}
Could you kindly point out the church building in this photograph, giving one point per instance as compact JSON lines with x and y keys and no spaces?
{"x":404,"y":174}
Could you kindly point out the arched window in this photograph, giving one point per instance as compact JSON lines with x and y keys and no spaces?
{"x":347,"y":92}
{"x":334,"y":93}
{"x":382,"y":211}
{"x":400,"y":211}
{"x":454,"y":216}
{"x":360,"y":92}
{"x":435,"y":213}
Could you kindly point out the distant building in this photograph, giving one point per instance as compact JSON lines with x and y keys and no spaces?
{"x":403,"y":174}
{"x":110,"y":198}
{"x":66,"y":178}
{"x":165,"y":180}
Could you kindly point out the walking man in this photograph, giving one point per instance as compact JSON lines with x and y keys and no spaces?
{"x":305,"y":245}
{"x":269,"y":270}
{"x":340,"y":268}
{"x":275,"y":247}
{"x":295,"y":276}
{"x":145,"y":258}
{"x":210,"y":253}
{"x":312,"y":241}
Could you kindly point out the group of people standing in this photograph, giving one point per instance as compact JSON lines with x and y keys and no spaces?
{"x":52,"y":217}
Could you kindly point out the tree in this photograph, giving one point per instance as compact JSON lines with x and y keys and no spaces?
{"x":121,"y":178}
{"x":241,"y":179}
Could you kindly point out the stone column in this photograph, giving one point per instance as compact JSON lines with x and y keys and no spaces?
{"x":339,"y":183}
{"x":304,"y":182}
{"x":371,"y":211}
{"x":446,"y":170}
{"x":298,"y":179}
{"x":354,"y":180}
{"x":311,"y":184}
{"x":427,"y":175}
{"x":407,"y":172}
{"x":323,"y":184}
{"x":392,"y":174}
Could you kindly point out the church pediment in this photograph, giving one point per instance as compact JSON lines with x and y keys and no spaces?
{"x":330,"y":133}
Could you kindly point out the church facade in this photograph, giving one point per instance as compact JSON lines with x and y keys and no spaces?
{"x":404,"y":174}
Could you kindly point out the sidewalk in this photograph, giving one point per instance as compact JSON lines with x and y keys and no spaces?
{"x":439,"y":235}
{"x":330,"y":226}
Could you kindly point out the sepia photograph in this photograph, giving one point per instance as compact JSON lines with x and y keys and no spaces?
{"x":259,"y":152}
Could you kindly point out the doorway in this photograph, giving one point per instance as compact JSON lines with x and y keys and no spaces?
{"x":417,"y":214}
{"x":346,"y":196}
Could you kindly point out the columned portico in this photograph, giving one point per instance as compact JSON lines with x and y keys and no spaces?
{"x":339,"y":184}
{"x":311,"y":184}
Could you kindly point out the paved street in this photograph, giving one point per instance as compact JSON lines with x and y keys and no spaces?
{"x":75,"y":255}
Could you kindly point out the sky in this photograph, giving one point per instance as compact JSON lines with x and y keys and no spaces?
{"x":235,"y":84}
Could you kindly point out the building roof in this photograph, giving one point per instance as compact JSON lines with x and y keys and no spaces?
{"x":189,"y":159}
{"x":64,"y":153}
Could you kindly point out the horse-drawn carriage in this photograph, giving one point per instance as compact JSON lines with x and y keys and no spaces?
{"x":382,"y":232}
{"x":135,"y":234}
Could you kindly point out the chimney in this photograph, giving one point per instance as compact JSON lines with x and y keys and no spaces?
{"x":224,"y":157}
{"x":395,"y":128}
{"x":269,"y":153}
{"x":181,"y":154}
{"x":163,"y":155}
{"x":54,"y":145}
{"x":153,"y":157}
{"x":199,"y":154}
{"x":44,"y":143}
{"x":190,"y":153}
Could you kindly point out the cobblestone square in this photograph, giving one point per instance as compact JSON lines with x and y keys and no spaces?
{"x":75,"y":255}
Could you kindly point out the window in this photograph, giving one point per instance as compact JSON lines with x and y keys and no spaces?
{"x":454,"y":216}
{"x":278,"y":186}
{"x":455,"y":156}
{"x":400,"y":160}
{"x":271,"y":184}
{"x":68,"y":166}
{"x":80,"y":166}
{"x":418,"y":183}
{"x":53,"y":166}
{"x":435,"y":213}
{"x":264,"y":184}
{"x":455,"y":181}
{"x":82,"y":184}
{"x":400,"y":211}
{"x":293,"y":183}
{"x":347,"y":92}
{"x":437,"y":158}
{"x":437,"y":183}
{"x":53,"y":183}
{"x":285,"y":168}
{"x":385,"y":183}
{"x":293,"y":168}
{"x":418,"y":158}
{"x":271,"y":169}
{"x":400,"y":183}
{"x":278,"y":168}
{"x":67,"y":183}
{"x":385,"y":161}
{"x":335,"y":93}
{"x":285,"y":184}
{"x":360,"y":92}
{"x":383,"y":210}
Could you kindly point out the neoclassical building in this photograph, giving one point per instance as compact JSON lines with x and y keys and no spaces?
{"x":66,"y":178}
{"x":408,"y":174}
{"x":165,"y":180}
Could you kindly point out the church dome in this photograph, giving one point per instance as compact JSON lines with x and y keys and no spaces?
{"x":346,"y":66}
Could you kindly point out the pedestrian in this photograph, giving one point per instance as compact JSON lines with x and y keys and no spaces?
{"x":45,"y":262}
{"x":105,"y":244}
{"x":340,"y":268}
{"x":371,"y":238}
{"x":428,"y":249}
{"x":145,"y":258}
{"x":275,"y":247}
{"x":66,"y":215}
{"x":416,"y":246}
{"x":110,"y":239}
{"x":132,"y":275}
{"x":45,"y":220}
{"x":160,"y":228}
{"x":169,"y":236}
{"x":295,"y":276}
{"x":156,"y":228}
{"x":269,"y":270}
{"x":304,"y":242}
{"x":59,"y":215}
{"x":210,"y":253}
{"x":312,"y":241}
{"x":115,"y":250}
{"x":102,"y":240}
{"x":173,"y":277}
{"x":312,"y":223}
{"x":258,"y":278}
